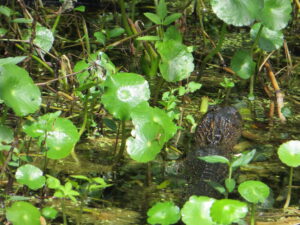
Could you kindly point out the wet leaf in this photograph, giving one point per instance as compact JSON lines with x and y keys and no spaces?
{"x":275,"y":14}
{"x":254,"y":191}
{"x":30,"y":176}
{"x":197,"y":211}
{"x":18,"y":90}
{"x":176,"y":60}
{"x":289,"y":153}
{"x":237,"y":12}
{"x":227,"y":211}
{"x":214,"y":159}
{"x":124,"y":91}
{"x":269,"y":39}
{"x":43,"y":38}
{"x":23,"y":213}
{"x":163,"y":213}
{"x":243,"y":64}
{"x":244,"y":159}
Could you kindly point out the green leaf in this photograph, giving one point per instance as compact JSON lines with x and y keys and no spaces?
{"x":6,"y":134}
{"x":143,"y":113}
{"x":3,"y":31}
{"x":12,"y":60}
{"x":43,"y":38}
{"x":269,"y":40}
{"x":193,"y":86}
{"x":49,"y":213}
{"x":5,"y":11}
{"x":289,"y":153}
{"x":170,"y":19}
{"x":214,"y":159}
{"x":147,"y":142}
{"x":80,"y":8}
{"x":197,"y":210}
{"x":18,"y":90}
{"x":242,"y":64}
{"x":153,"y":17}
{"x":230,"y":184}
{"x":254,"y":191}
{"x":22,"y":20}
{"x":110,"y":123}
{"x":23,"y":213}
{"x":161,"y":9}
{"x":60,"y":134}
{"x":116,"y":32}
{"x":244,"y":159}
{"x":176,"y":61}
{"x":276,"y":14}
{"x":237,"y":12}
{"x":30,"y":176}
{"x":148,"y":38}
{"x":172,"y":33}
{"x":124,"y":91}
{"x":227,"y":211}
{"x":163,"y":213}
{"x":100,"y":37}
{"x":52,"y":182}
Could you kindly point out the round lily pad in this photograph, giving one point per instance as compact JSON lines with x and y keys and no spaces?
{"x":242,"y":64}
{"x":254,"y":191}
{"x":163,"y":213}
{"x":124,"y":91}
{"x":227,"y":211}
{"x":23,"y":213}
{"x":18,"y":90}
{"x":289,"y":153}
{"x":30,"y":176}
{"x":197,"y":210}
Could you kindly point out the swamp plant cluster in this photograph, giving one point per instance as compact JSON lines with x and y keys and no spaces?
{"x":60,"y":75}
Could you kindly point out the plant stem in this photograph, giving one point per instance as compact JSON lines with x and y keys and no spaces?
{"x":124,"y":17}
{"x":216,"y":49}
{"x":256,"y":39}
{"x":288,"y":197}
{"x":63,"y":207}
{"x":253,"y":209}
{"x":86,"y":37}
{"x":123,"y":143}
{"x":56,"y":22}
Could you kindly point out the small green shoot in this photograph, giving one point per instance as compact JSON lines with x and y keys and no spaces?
{"x":254,"y":192}
{"x":242,"y":160}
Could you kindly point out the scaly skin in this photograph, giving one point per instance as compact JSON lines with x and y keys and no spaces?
{"x":216,"y":134}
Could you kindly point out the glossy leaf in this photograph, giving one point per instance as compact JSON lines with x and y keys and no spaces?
{"x":18,"y":90}
{"x":269,"y":40}
{"x":244,"y":159}
{"x":49,"y":213}
{"x":230,"y":184}
{"x":30,"y":176}
{"x":243,"y":64}
{"x":276,"y":14}
{"x":153,"y":17}
{"x":254,"y":191}
{"x":147,"y":142}
{"x":61,"y":134}
{"x":124,"y":91}
{"x":289,"y":153}
{"x":163,"y":213}
{"x":171,"y":18}
{"x":237,"y":12}
{"x":227,"y":211}
{"x":23,"y":213}
{"x":12,"y":60}
{"x":143,"y":113}
{"x":176,"y":60}
{"x":214,"y":159}
{"x":197,"y":210}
